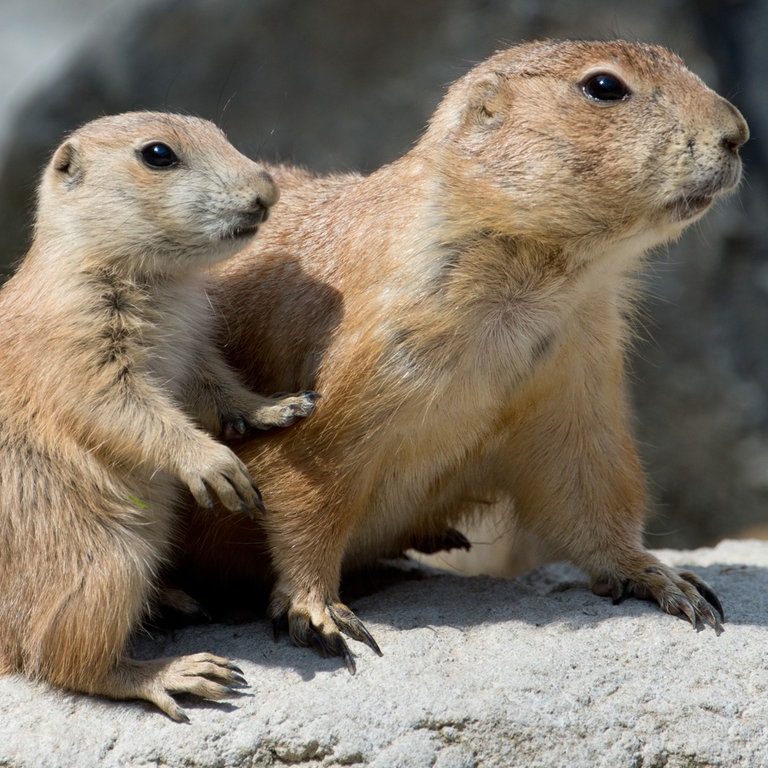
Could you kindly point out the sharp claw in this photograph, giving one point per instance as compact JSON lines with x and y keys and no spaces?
{"x":357,"y":631}
{"x":246,"y":510}
{"x":277,"y":626}
{"x":706,"y":592}
{"x":337,"y":647}
{"x":238,"y":424}
{"x":279,"y":615}
{"x":331,"y":645}
{"x":258,"y":501}
{"x":233,"y":427}
{"x":347,"y":622}
{"x":708,"y":617}
{"x":238,"y":681}
{"x":349,"y":661}
{"x":457,"y":540}
{"x":621,"y":592}
{"x":232,"y":666}
{"x":367,"y":638}
{"x":688,"y":610}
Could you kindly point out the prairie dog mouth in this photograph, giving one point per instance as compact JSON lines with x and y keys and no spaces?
{"x":240,"y":233}
{"x":247,"y":223}
{"x":698,"y":197}
{"x":689,"y":206}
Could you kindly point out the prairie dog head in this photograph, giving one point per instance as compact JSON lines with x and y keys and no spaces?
{"x":563,"y":141}
{"x":151,"y":192}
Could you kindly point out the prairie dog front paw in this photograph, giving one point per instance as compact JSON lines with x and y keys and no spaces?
{"x":224,"y":474}
{"x":282,"y":410}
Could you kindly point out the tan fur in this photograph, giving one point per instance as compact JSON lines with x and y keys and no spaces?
{"x":464,"y":313}
{"x":108,"y":374}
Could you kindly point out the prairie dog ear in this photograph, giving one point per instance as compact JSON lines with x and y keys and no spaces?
{"x":486,"y":101}
{"x":66,"y":163}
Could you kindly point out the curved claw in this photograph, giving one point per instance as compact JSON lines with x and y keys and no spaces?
{"x":676,"y":592}
{"x":333,"y":645}
{"x":232,"y":426}
{"x":278,"y":612}
{"x":685,"y":607}
{"x":350,"y":625}
{"x":181,"y":602}
{"x":705,"y":591}
{"x":258,"y":501}
{"x":321,"y":630}
{"x":620,"y":592}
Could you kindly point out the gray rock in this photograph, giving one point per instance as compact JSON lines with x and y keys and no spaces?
{"x":476,"y":672}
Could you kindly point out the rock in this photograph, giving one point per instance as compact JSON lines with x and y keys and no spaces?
{"x":476,"y":673}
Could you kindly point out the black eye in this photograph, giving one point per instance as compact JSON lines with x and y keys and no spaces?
{"x":158,"y":155}
{"x":605,"y":87}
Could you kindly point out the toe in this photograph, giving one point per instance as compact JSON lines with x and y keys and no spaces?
{"x":350,"y":625}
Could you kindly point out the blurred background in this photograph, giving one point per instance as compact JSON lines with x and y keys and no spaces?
{"x":344,"y":85}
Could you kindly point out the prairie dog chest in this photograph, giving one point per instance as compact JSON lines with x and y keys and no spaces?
{"x":177,"y":324}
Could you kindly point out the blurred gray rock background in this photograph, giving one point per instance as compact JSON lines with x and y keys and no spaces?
{"x":344,"y":84}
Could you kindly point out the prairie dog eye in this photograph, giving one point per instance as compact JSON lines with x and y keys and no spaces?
{"x":158,"y":155}
{"x":604,"y":86}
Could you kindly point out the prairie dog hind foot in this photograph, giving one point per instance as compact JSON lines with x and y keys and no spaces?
{"x":157,"y":681}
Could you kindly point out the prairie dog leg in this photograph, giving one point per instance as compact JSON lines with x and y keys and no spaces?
{"x":307,"y":559}
{"x":587,"y":498}
{"x":224,"y":406}
{"x":78,"y":640}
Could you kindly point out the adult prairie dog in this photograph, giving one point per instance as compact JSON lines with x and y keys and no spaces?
{"x":467,"y":321}
{"x":109,"y":385}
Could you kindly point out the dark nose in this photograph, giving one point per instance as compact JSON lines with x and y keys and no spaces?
{"x":266,"y":189}
{"x":737,"y":131}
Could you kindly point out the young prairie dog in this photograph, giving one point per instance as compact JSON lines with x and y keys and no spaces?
{"x":466,"y":320}
{"x":110,"y":385}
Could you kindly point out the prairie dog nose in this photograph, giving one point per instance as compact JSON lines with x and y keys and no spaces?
{"x":267,"y":193}
{"x":735,"y":128}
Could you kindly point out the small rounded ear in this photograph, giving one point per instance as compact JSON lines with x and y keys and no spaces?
{"x":66,"y":162}
{"x":486,"y":102}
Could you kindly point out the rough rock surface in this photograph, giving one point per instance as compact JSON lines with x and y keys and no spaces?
{"x":476,"y":672}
